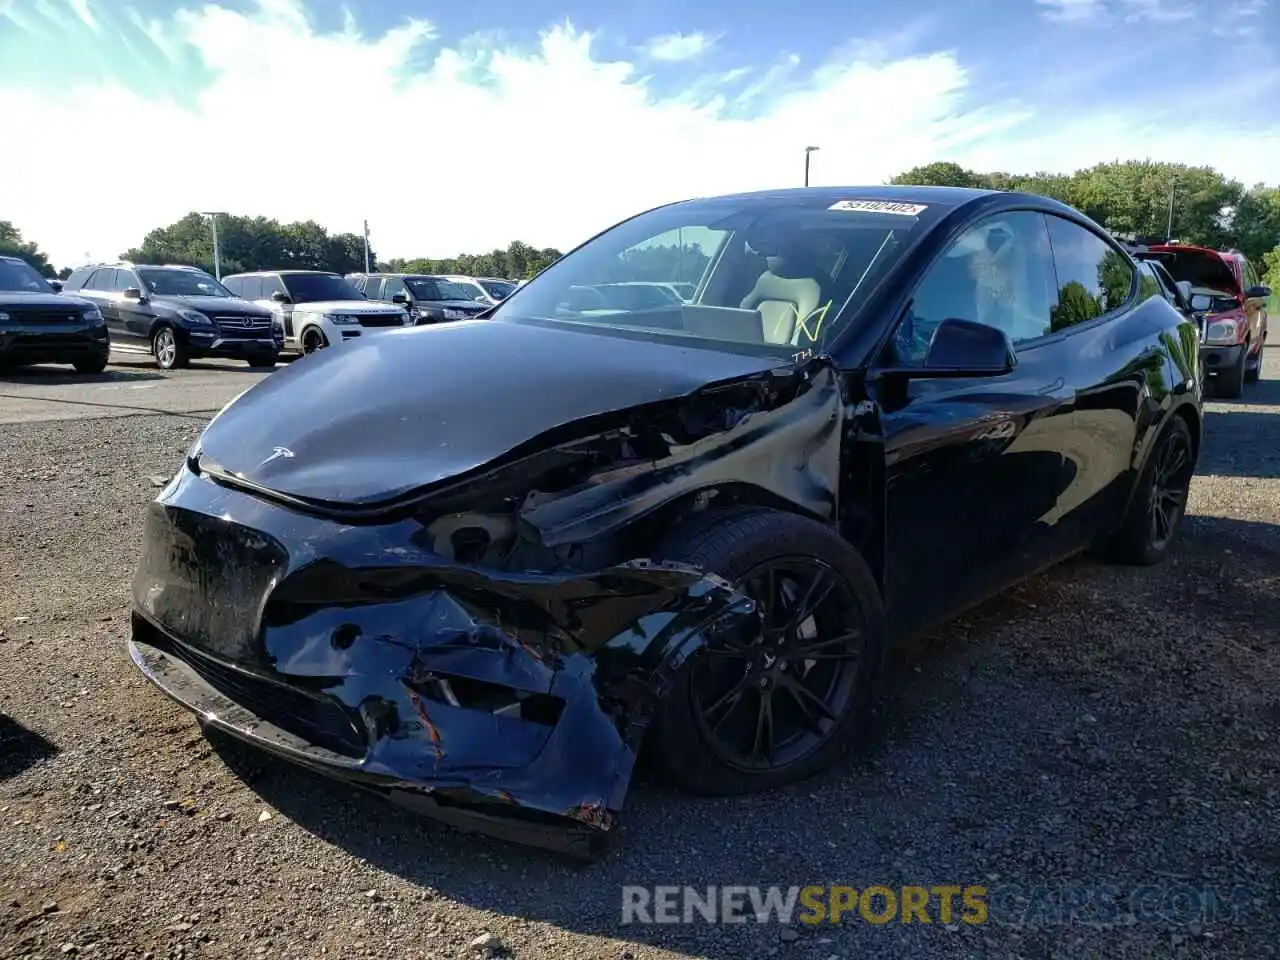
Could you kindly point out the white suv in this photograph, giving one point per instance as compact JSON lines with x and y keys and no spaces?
{"x":317,"y":309}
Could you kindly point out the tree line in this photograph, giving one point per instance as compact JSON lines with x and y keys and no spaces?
{"x":1135,"y":197}
{"x":1127,"y":197}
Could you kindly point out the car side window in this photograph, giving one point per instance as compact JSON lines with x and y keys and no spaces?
{"x":1149,"y":283}
{"x":272,"y":285}
{"x":999,"y":272}
{"x":392,"y":286}
{"x":372,"y":288}
{"x":233,"y":284}
{"x":1093,"y":276}
{"x":124,"y":280}
{"x":102,"y":279}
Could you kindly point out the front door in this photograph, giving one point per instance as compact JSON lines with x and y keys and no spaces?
{"x":974,"y":467}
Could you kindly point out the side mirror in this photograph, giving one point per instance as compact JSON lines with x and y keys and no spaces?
{"x":279,"y":297}
{"x":1184,"y":288}
{"x":963,"y":348}
{"x":132,"y":293}
{"x":1257,"y":293}
{"x":56,"y":284}
{"x":402,"y":298}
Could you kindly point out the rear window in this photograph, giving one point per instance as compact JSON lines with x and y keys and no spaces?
{"x":1205,"y":271}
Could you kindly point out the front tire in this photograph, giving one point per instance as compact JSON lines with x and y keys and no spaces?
{"x":166,"y":349}
{"x":744,"y":717}
{"x":91,"y":366}
{"x":1159,"y":501}
{"x":313,"y":339}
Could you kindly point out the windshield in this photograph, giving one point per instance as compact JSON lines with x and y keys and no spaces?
{"x":181,"y":283}
{"x":497,"y":288}
{"x":20,"y":275}
{"x":765,"y":274}
{"x":318,"y":287}
{"x":424,"y":289}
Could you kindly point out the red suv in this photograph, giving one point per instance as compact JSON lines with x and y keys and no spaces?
{"x":1226,"y":291}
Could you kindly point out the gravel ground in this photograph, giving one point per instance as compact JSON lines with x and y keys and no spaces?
{"x":1095,"y":726}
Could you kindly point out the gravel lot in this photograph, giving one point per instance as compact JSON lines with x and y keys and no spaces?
{"x":1095,"y":726}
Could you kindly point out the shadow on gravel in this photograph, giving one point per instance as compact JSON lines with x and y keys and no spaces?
{"x":60,"y":376}
{"x":1242,"y":442}
{"x":21,"y":748}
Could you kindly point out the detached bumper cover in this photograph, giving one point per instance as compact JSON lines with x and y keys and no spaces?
{"x":510,"y":704}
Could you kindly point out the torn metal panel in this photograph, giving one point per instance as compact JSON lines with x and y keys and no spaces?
{"x":521,"y":695}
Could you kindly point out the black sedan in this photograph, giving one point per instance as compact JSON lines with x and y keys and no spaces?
{"x":473,"y":566}
{"x":38,"y":325}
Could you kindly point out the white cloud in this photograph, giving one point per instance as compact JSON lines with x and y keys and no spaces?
{"x":676,"y":47}
{"x":342,"y":126}
{"x":1072,"y":11}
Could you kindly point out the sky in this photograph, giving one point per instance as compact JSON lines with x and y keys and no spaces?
{"x":458,"y":127}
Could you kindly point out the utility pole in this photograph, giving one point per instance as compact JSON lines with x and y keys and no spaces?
{"x":366,"y":246}
{"x":807,"y":151}
{"x":213,"y":216}
{"x":1169,"y":230}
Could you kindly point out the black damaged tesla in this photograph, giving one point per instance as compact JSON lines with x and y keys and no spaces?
{"x":471,"y":566}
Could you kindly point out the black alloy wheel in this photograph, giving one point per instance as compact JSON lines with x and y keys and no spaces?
{"x":1171,"y":482}
{"x":787,"y":698}
{"x":1159,"y":500}
{"x":773,"y":701}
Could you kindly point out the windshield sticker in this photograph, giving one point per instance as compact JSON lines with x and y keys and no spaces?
{"x":880,"y":206}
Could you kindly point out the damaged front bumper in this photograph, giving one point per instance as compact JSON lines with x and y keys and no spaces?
{"x":508,"y":704}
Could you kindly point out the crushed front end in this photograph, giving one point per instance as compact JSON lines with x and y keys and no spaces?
{"x":511,"y":704}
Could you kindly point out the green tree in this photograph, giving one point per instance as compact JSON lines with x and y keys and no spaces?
{"x":517,"y":261}
{"x":1255,"y":222}
{"x":941,"y":174}
{"x":12,"y":245}
{"x":251,"y":243}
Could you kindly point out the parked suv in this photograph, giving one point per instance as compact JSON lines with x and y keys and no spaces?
{"x":428,"y":298}
{"x":176,"y":313}
{"x":317,"y":309}
{"x":38,"y":325}
{"x":1226,"y":290}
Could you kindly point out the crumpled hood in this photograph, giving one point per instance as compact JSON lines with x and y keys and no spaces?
{"x":420,"y":405}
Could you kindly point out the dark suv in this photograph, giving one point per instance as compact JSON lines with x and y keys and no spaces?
{"x":429,"y":299}
{"x":38,"y":325}
{"x":177,"y":313}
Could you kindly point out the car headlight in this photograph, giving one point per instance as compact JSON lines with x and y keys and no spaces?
{"x":195,"y":317}
{"x":341,"y":319}
{"x":454,"y":314}
{"x":3,"y":317}
{"x":1223,"y":331}
{"x":93,"y":314}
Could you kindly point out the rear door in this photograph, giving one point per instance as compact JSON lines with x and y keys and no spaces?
{"x":975,"y":467}
{"x":1106,"y":343}
{"x":98,"y":288}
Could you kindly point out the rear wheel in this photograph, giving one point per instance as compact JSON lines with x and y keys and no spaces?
{"x":1160,"y":500}
{"x":313,"y":339}
{"x":169,"y":353}
{"x":755,"y":713}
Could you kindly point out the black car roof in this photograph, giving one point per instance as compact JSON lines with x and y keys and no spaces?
{"x":934,"y":196}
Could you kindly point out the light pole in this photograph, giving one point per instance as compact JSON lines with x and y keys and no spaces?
{"x":366,"y":246}
{"x":807,"y":151}
{"x":1169,"y":230}
{"x":213,"y":216}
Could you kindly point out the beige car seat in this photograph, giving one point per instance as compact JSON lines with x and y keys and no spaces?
{"x":782,"y":302}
